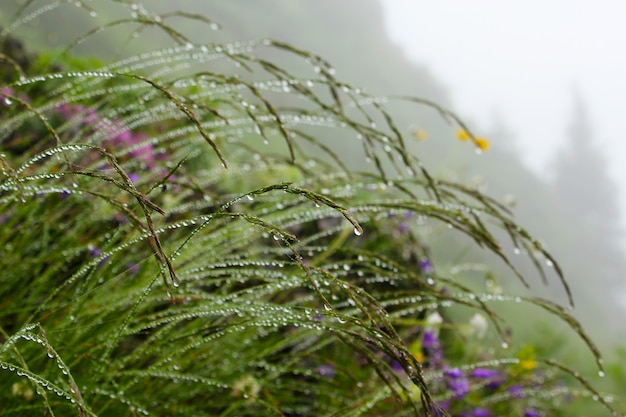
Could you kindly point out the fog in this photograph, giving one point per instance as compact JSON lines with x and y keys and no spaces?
{"x":520,"y":62}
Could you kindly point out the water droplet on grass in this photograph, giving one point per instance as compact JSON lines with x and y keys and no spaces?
{"x":358,"y":231}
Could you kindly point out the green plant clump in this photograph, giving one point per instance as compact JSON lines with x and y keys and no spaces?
{"x":184,"y":232}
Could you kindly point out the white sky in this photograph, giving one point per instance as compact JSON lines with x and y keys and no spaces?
{"x":520,"y":60}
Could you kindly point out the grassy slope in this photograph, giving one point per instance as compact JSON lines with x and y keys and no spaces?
{"x":351,"y":35}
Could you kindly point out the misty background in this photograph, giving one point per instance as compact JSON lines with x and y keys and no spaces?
{"x":542,"y":81}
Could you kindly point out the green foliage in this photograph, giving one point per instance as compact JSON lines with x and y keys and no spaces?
{"x":160,"y":259}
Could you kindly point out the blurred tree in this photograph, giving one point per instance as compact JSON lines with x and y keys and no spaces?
{"x":582,"y":181}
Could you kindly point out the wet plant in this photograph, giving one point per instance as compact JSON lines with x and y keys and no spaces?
{"x":185,"y":232}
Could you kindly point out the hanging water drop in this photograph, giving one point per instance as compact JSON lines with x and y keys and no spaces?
{"x":601,"y":374}
{"x":250,"y":197}
{"x":358,"y":231}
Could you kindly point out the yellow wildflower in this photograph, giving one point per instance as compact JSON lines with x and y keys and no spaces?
{"x":527,"y":364}
{"x":462,"y":134}
{"x":419,"y":134}
{"x":482,"y":143}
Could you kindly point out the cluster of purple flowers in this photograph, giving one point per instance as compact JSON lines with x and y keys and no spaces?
{"x":134,"y":146}
{"x":461,"y":390}
{"x":115,"y":138}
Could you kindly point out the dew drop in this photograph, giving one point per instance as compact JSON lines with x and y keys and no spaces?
{"x":358,"y":231}
{"x":249,"y":197}
{"x":505,"y":345}
{"x":516,"y":251}
{"x":601,"y":374}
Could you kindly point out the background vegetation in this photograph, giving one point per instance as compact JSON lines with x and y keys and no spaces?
{"x":107,"y":149}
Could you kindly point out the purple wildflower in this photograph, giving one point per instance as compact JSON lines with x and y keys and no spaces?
{"x":457,"y":382}
{"x":484,"y":373}
{"x":481,"y":412}
{"x":6,"y":91}
{"x":517,"y":391}
{"x":530,"y":413}
{"x":438,"y":410}
{"x":94,"y":251}
{"x":429,"y":340}
{"x":132,"y":268}
{"x":326,"y":371}
{"x":133,"y":177}
{"x":123,"y":138}
{"x":432,"y":348}
{"x":453,"y":373}
{"x":425,"y":266}
{"x":396,"y":367}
